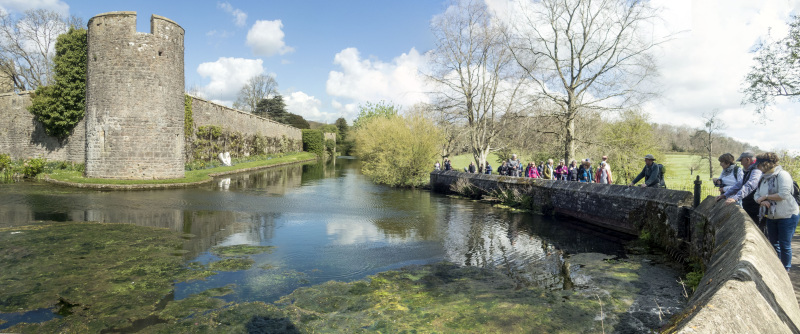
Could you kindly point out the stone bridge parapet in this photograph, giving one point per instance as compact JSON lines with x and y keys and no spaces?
{"x":745,"y":288}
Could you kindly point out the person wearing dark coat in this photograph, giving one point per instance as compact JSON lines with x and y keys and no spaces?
{"x":503,"y":169}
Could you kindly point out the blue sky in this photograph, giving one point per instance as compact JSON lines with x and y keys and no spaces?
{"x":330,"y":56}
{"x":314,"y":32}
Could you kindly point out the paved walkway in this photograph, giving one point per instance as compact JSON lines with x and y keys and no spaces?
{"x":794,"y":274}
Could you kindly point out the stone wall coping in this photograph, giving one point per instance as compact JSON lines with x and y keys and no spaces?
{"x":675,"y":197}
{"x":116,"y":13}
{"x":159,"y":17}
{"x":166,"y":185}
{"x":24,"y":92}
{"x":240,"y":111}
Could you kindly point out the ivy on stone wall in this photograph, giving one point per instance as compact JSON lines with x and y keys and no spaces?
{"x":188,"y":124}
{"x":60,"y":106}
{"x":212,"y":139}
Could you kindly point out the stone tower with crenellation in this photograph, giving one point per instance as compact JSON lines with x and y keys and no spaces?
{"x":134,"y":98}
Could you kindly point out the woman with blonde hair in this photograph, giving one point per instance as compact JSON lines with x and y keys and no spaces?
{"x":777,"y":205}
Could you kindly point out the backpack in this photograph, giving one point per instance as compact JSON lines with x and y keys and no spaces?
{"x":796,"y":192}
{"x":661,"y":172}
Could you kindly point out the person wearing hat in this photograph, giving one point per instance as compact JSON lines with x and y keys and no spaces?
{"x":743,"y":191}
{"x":605,"y":159}
{"x":651,"y":173}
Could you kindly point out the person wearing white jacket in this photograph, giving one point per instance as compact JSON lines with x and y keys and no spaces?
{"x":777,"y":205}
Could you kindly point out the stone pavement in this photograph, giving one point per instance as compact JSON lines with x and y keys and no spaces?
{"x":794,"y":274}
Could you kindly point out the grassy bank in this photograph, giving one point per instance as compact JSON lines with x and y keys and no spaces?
{"x":680,"y":176}
{"x":190,"y":176}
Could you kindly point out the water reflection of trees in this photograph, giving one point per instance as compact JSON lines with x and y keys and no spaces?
{"x":483,"y":237}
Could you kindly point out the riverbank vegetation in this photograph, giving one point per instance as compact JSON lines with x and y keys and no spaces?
{"x":395,"y":150}
{"x":191,"y":176}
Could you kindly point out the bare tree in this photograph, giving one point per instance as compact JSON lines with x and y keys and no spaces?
{"x":584,"y":55}
{"x":706,"y":137}
{"x":477,"y":78}
{"x":27,"y":45}
{"x":256,"y":89}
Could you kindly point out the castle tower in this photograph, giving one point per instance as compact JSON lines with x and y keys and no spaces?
{"x":134,"y":98}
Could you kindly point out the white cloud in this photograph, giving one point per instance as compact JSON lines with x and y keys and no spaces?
{"x":362,"y":80}
{"x":307,"y":106}
{"x":266,"y":38}
{"x":58,"y":6}
{"x":704,"y":68}
{"x":228,"y":76}
{"x":239,"y":17}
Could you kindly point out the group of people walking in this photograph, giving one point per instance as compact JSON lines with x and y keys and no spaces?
{"x":583,"y":172}
{"x":767,"y":193}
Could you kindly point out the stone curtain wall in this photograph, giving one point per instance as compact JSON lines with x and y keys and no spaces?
{"x":745,"y":288}
{"x":134,"y":98}
{"x":205,"y":113}
{"x":22,"y":137}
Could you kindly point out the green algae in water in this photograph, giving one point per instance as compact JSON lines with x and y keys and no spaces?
{"x":440,"y":298}
{"x":240,"y":250}
{"x":232,"y":264}
{"x":111,"y":273}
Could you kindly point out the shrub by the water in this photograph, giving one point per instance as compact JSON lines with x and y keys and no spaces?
{"x":398,"y":150}
{"x":33,"y":167}
{"x":313,"y":141}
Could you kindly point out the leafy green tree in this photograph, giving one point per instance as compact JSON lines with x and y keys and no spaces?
{"x":61,"y":105}
{"x":369,"y":110}
{"x":628,"y":140}
{"x":397,"y":151}
{"x":775,"y":73}
{"x":273,"y":108}
{"x":297,"y":121}
{"x":341,"y":124}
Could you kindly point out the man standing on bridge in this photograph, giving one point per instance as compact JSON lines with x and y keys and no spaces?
{"x":651,"y":174}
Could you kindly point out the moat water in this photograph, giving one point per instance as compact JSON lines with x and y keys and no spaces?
{"x":329,"y":222}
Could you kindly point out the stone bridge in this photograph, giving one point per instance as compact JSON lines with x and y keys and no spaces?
{"x":745,"y":288}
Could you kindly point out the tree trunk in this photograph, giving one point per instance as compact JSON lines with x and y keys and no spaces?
{"x":569,"y":140}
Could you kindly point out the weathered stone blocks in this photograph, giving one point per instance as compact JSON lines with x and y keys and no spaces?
{"x":134,"y":98}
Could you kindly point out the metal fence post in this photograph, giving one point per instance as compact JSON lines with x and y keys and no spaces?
{"x":697,"y":184}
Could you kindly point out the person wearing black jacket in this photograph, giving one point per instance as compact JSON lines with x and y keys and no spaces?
{"x":503,"y":169}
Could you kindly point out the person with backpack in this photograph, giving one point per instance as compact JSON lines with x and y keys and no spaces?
{"x":652,"y":173}
{"x":730,"y":175}
{"x":743,"y":191}
{"x":778,"y":205}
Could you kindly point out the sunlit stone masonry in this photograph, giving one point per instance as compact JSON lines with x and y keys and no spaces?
{"x":134,"y":98}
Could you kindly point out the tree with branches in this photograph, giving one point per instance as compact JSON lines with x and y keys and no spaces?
{"x":776,"y":72}
{"x":705,"y":138}
{"x":477,"y":78}
{"x":27,"y":46}
{"x":584,"y":55}
{"x":258,"y":88}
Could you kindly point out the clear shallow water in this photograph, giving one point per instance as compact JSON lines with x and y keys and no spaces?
{"x":326,"y":221}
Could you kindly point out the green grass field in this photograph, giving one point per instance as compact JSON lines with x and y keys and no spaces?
{"x":679,"y":175}
{"x":461,"y":161}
